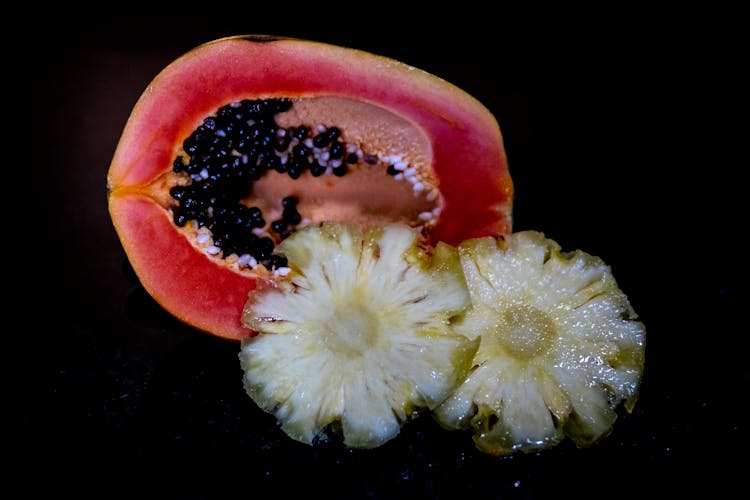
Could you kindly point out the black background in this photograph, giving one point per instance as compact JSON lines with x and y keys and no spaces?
{"x":607,"y":118}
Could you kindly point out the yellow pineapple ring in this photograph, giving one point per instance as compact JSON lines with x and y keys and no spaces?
{"x":559,"y":346}
{"x":359,"y":335}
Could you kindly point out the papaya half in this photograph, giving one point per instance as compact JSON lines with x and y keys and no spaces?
{"x":243,"y":140}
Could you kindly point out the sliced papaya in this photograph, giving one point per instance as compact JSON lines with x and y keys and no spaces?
{"x":242,"y":141}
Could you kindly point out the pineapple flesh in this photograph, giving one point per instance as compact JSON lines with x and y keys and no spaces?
{"x":358,"y":337}
{"x":559,"y":346}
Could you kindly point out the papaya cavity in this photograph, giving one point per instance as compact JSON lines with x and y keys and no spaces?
{"x":330,"y":158}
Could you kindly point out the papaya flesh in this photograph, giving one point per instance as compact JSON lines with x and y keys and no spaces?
{"x":394,"y":123}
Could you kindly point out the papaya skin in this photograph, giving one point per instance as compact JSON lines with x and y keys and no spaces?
{"x":468,"y":157}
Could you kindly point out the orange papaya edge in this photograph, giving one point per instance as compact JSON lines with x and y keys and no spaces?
{"x":467,"y":156}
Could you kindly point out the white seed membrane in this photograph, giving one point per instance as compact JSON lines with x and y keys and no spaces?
{"x":358,"y":335}
{"x":559,"y":346}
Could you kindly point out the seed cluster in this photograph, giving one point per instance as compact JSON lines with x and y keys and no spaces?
{"x":231,"y":150}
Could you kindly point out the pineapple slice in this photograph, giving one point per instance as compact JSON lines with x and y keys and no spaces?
{"x":559,"y":348}
{"x":359,"y":335}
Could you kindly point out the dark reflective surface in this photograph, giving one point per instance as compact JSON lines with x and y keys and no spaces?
{"x":136,"y":402}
